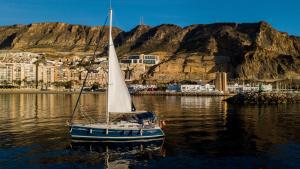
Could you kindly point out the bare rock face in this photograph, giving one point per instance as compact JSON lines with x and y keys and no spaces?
{"x":127,"y":40}
{"x":246,"y":51}
{"x":52,"y":36}
{"x":273,"y":55}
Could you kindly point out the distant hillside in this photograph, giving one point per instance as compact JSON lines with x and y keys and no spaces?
{"x":247,"y":50}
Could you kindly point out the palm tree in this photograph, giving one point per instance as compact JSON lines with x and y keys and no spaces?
{"x":18,"y":82}
{"x":40,"y":83}
{"x":25,"y":81}
{"x":37,"y":63}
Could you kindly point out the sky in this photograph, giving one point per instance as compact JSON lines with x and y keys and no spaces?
{"x":282,"y":15}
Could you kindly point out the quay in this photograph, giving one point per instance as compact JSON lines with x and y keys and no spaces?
{"x":37,"y":91}
{"x":164,"y":93}
{"x":140,"y":93}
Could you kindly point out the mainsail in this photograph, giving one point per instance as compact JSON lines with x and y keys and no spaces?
{"x":119,"y":99}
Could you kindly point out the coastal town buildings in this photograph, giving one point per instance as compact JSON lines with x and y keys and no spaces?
{"x":30,"y":70}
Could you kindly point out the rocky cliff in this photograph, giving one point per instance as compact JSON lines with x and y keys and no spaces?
{"x":246,"y":51}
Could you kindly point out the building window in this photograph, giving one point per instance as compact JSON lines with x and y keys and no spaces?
{"x":149,"y":57}
{"x":148,"y":61}
{"x":127,"y":61}
{"x":134,"y":57}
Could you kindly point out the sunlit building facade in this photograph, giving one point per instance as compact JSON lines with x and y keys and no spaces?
{"x":141,"y":59}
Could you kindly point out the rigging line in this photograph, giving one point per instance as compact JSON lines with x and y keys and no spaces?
{"x":101,"y":33}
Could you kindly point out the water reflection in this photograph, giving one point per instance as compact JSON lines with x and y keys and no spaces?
{"x":120,"y":155}
{"x":195,"y":102}
{"x":200,"y":131}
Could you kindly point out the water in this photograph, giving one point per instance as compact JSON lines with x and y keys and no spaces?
{"x":201,"y":132}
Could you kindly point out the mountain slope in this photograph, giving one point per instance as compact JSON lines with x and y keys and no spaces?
{"x":246,"y":51}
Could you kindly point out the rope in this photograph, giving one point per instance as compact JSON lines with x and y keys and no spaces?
{"x":101,"y":33}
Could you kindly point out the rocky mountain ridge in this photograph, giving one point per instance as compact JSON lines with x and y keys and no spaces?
{"x":246,"y":51}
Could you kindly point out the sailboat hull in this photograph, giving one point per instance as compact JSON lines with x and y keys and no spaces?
{"x":103,"y":134}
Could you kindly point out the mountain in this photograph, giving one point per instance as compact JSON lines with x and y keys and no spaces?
{"x":246,"y":51}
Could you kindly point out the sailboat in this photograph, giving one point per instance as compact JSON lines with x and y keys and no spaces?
{"x":134,"y":125}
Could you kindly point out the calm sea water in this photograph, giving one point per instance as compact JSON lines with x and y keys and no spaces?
{"x":201,"y":132}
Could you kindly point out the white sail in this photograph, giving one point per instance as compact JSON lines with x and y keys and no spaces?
{"x":119,"y":99}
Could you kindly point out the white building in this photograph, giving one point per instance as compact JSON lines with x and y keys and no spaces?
{"x":197,"y":88}
{"x":141,"y":59}
{"x":249,"y":88}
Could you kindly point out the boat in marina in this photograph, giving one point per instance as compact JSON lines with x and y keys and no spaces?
{"x":132,"y":125}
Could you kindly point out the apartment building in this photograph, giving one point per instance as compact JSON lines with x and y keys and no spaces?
{"x":24,"y":74}
{"x":141,"y":59}
{"x":6,"y":73}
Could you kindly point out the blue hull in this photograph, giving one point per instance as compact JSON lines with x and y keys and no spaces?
{"x":98,"y":134}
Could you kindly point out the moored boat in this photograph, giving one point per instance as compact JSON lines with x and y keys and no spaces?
{"x":132,"y":125}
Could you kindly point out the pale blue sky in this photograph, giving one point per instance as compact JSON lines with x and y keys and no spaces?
{"x":283,"y":15}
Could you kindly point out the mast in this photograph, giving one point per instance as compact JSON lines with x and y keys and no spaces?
{"x":109,"y":43}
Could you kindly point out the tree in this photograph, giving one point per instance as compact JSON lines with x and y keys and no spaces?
{"x":25,"y":81}
{"x":5,"y":83}
{"x":18,"y":82}
{"x":95,"y":86}
{"x":40,"y":83}
{"x":260,"y":88}
{"x":68,"y":85}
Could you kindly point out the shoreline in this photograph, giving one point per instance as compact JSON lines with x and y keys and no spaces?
{"x":163,"y":93}
{"x":34,"y":91}
{"x":142,"y":93}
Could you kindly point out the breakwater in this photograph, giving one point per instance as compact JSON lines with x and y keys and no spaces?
{"x":163,"y":93}
{"x":265,"y":98}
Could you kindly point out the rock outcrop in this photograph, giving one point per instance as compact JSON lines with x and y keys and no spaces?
{"x":246,"y":51}
{"x":264,"y":98}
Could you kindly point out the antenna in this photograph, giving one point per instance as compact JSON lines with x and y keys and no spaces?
{"x":109,"y":4}
{"x":141,"y":20}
